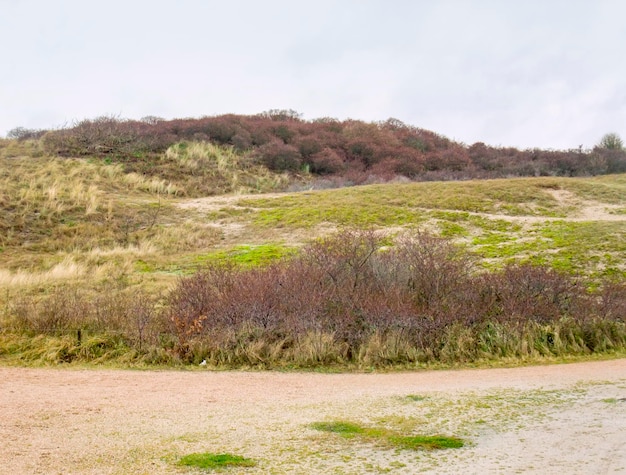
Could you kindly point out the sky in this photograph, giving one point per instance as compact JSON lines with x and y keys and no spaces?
{"x":532,"y":73}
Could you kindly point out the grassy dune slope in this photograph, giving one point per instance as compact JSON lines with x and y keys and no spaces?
{"x":97,"y":229}
{"x":576,"y":225}
{"x":65,"y":219}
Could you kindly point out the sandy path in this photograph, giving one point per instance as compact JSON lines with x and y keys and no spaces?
{"x":215,"y":203}
{"x":546,"y":419}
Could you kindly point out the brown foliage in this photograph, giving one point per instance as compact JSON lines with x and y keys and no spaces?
{"x":279,"y":156}
{"x":348,"y":286}
{"x":351,"y":148}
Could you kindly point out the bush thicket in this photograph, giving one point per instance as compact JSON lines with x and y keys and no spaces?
{"x":420,"y":299}
{"x":282,"y":141}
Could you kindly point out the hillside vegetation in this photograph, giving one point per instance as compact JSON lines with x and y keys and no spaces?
{"x":197,"y":248}
{"x":333,"y":152}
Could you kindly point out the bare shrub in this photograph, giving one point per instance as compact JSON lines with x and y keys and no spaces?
{"x":61,"y":311}
{"x":612,"y":301}
{"x":345,"y":258}
{"x":526,"y":292}
{"x":132,"y":318}
{"x":342,"y":285}
{"x":22,"y":133}
{"x":105,"y":136}
{"x":432,"y":268}
{"x":192,"y":303}
{"x":349,"y":298}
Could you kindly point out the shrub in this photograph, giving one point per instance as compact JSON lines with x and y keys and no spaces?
{"x":326,"y":162}
{"x":432,"y":268}
{"x":22,"y":133}
{"x":108,"y":136}
{"x":347,"y":297}
{"x":531,"y":293}
{"x":132,"y":318}
{"x":278,"y":156}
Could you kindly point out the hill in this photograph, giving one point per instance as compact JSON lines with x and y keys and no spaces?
{"x":346,"y":152}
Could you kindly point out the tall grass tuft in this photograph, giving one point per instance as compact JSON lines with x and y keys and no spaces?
{"x":219,"y":169}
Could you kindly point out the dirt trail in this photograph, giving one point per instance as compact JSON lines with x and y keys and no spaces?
{"x":215,"y":203}
{"x":542,"y":419}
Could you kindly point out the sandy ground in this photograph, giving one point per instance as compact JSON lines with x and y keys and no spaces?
{"x":543,"y":419}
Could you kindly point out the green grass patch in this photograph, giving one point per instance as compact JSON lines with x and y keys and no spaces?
{"x":209,"y":461}
{"x":611,"y":400}
{"x":386,"y":205}
{"x":350,"y":430}
{"x":143,"y":266}
{"x":607,"y":189}
{"x":592,"y":248}
{"x":491,"y":242}
{"x":343,"y":213}
{"x":248,"y":255}
{"x":447,"y":229}
{"x":416,"y":397}
{"x":345,"y":429}
{"x":426,"y":442}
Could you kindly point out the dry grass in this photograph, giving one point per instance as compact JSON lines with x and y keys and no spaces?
{"x":24,"y":148}
{"x":211,"y":169}
{"x":65,"y":270}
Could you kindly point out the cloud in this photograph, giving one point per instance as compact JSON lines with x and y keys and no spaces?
{"x":527,"y":74}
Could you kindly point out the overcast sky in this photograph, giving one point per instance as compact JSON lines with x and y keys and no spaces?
{"x":525,"y":73}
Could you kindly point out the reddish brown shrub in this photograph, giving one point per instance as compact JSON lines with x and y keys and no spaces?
{"x":326,"y":162}
{"x":530,"y":293}
{"x":354,"y":149}
{"x":278,"y":156}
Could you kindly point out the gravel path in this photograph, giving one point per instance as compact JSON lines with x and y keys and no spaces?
{"x":543,"y":419}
